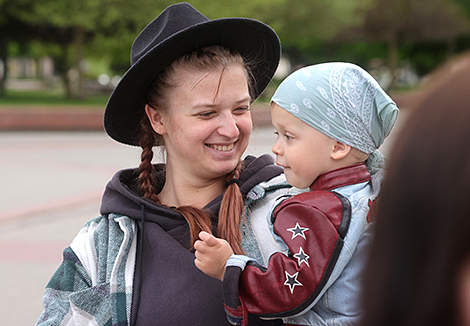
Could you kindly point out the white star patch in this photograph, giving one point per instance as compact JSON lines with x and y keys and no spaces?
{"x":291,"y":281}
{"x":298,"y":230}
{"x":302,"y":257}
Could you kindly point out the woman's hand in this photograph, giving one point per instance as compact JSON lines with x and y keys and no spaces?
{"x":211,"y":255}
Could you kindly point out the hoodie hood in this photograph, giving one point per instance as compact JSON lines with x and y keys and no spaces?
{"x":162,"y":249}
{"x":121,"y":195}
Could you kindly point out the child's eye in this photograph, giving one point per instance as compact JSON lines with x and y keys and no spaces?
{"x":286,"y":136}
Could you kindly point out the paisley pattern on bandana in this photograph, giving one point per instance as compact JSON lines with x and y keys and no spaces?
{"x":342,"y":101}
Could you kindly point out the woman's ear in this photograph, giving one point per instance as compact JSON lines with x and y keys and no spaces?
{"x":156,"y":119}
{"x":340,"y":151}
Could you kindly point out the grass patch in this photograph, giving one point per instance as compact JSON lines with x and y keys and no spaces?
{"x":49,"y":98}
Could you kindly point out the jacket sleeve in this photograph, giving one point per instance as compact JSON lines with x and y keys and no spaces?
{"x":69,"y":278}
{"x":91,"y":285}
{"x":313,"y":226}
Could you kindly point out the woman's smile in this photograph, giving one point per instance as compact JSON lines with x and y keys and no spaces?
{"x":222,"y":148}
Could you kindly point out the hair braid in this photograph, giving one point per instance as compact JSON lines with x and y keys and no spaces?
{"x":146,"y":168}
{"x":198,"y":220}
{"x":231,"y":211}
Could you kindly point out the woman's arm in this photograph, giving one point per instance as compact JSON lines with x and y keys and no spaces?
{"x":89,"y":287}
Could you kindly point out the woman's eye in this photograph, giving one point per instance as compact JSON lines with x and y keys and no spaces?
{"x":277,"y":134}
{"x":207,"y":114}
{"x":241,"y":110}
{"x":287,"y":137}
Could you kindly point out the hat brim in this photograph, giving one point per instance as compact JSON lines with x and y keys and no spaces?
{"x":254,"y":40}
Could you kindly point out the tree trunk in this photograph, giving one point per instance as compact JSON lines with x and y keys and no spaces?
{"x":79,"y":45}
{"x":393,"y":58}
{"x":62,"y":66}
{"x":451,"y":47}
{"x":3,"y":58}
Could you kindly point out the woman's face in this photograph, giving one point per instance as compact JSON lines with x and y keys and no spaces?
{"x":207,"y":124}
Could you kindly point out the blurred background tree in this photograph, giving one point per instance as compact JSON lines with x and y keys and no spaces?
{"x":12,"y":30}
{"x":86,"y":38}
{"x":422,"y":31}
{"x":86,"y":28}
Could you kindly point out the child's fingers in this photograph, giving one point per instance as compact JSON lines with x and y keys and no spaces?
{"x":200,"y":246}
{"x":204,"y":236}
{"x":208,"y":239}
{"x":199,"y":264}
{"x":200,"y":255}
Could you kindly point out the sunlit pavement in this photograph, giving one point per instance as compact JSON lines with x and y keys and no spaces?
{"x":51,"y":185}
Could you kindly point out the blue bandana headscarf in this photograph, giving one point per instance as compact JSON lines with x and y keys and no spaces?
{"x":344,"y":102}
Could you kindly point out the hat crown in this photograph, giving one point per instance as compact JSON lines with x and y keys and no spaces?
{"x":172,"y":20}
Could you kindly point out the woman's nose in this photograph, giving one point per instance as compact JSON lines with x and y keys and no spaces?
{"x":229,"y":127}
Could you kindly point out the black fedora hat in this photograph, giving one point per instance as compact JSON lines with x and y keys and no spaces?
{"x":178,"y":30}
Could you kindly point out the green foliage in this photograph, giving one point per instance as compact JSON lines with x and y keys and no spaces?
{"x":304,"y":27}
{"x":98,"y":66}
{"x":310,"y":31}
{"x":302,"y":22}
{"x":13,"y":49}
{"x":67,"y":13}
{"x":50,"y":99}
{"x":420,"y":33}
{"x":462,"y":4}
{"x":425,"y":56}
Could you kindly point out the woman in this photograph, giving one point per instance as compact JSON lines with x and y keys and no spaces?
{"x":189,"y":88}
{"x":419,"y":272}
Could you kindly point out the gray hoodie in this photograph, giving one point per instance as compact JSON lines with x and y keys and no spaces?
{"x":168,"y":288}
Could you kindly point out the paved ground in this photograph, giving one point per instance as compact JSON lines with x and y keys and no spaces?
{"x":51,"y":183}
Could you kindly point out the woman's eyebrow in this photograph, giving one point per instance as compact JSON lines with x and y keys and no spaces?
{"x":213,"y":105}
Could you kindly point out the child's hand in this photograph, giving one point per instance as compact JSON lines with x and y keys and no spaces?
{"x":211,"y":255}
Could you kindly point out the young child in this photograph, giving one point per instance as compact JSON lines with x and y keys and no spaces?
{"x":330,"y":119}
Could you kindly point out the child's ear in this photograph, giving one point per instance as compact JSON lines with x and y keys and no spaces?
{"x":340,"y":151}
{"x":156,"y":119}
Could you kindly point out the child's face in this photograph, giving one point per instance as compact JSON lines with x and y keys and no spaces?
{"x":303,"y":151}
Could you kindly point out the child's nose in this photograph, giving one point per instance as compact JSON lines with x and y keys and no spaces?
{"x":276,"y":148}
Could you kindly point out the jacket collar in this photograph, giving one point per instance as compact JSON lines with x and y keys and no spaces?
{"x":341,"y":177}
